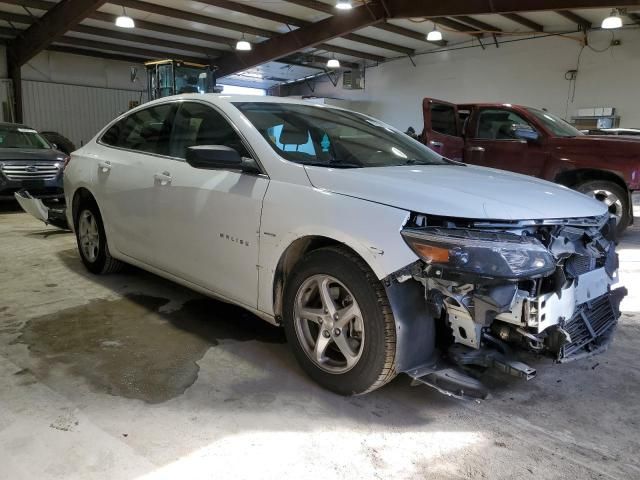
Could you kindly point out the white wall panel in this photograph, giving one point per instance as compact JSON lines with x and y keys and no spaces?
{"x":76,"y":111}
{"x":528,"y":72}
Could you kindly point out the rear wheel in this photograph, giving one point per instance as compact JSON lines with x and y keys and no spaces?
{"x":338,"y":322}
{"x":613,"y":196}
{"x":92,"y":240}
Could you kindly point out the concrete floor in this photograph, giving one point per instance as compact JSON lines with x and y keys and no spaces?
{"x":130,"y":376}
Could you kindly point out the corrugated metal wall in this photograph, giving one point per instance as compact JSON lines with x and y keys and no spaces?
{"x":75,"y":111}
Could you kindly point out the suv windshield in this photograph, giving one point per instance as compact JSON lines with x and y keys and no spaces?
{"x":21,"y":137}
{"x":555,"y":124}
{"x":317,"y":135}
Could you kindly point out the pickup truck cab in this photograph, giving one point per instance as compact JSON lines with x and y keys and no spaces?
{"x":535,"y":142}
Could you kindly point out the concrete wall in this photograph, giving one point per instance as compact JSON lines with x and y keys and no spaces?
{"x":529,"y":72}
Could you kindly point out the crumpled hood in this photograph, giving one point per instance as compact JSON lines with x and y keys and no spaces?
{"x":458,"y":191}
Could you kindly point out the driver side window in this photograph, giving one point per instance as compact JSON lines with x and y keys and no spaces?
{"x":496,"y":124}
{"x":199,"y":124}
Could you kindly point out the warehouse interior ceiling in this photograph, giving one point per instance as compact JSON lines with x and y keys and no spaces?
{"x":292,"y":40}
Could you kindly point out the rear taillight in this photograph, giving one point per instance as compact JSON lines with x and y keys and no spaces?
{"x":67,"y":159}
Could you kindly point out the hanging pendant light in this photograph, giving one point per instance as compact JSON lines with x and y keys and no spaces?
{"x":612,"y":21}
{"x":243,"y":45}
{"x":333,"y":63}
{"x":125,"y":21}
{"x":434,"y":35}
{"x":344,"y":5}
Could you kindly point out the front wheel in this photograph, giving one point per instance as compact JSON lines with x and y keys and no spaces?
{"x":339,"y":323}
{"x":613,"y":196}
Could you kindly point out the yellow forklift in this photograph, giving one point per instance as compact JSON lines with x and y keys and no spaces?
{"x":173,"y":77}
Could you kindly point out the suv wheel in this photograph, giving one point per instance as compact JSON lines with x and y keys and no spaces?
{"x":339,"y":323}
{"x":613,"y":196}
{"x":92,"y":241}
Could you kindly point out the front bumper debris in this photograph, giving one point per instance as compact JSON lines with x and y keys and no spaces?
{"x":591,"y":328}
{"x":483,"y":322}
{"x":34,"y":206}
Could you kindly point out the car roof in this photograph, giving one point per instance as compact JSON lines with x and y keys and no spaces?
{"x":16,"y":125}
{"x":217,"y":98}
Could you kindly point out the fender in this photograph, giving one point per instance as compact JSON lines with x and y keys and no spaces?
{"x":317,"y":213}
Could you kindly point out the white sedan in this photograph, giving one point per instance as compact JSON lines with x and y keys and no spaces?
{"x":376,"y":255}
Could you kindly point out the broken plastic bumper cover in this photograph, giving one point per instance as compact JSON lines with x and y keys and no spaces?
{"x":34,"y":206}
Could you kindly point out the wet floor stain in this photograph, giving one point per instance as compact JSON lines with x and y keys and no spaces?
{"x":129,"y":347}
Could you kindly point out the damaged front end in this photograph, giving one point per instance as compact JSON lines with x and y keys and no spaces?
{"x":36,"y":207}
{"x":495,"y":288}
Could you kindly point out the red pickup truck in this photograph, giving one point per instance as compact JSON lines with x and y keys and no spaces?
{"x":535,"y":142}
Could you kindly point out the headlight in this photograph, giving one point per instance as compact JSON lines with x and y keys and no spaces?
{"x":486,"y":254}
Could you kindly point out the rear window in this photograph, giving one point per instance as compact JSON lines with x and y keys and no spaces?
{"x":146,"y":130}
{"x":21,"y":137}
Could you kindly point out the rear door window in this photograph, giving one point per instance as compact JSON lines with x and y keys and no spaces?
{"x":146,"y":130}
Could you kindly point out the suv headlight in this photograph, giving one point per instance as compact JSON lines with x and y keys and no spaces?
{"x":485,"y":254}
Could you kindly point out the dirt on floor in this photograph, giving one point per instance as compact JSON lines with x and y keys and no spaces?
{"x":130,"y":376}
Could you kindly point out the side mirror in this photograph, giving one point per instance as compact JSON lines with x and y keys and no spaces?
{"x":525,"y":132}
{"x":213,"y":157}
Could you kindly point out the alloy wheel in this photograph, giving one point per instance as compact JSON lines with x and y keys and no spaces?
{"x":329,"y":324}
{"x":88,"y":235}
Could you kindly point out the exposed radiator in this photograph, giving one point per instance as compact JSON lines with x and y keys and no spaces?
{"x":588,"y":328}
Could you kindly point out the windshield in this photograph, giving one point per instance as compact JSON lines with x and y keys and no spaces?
{"x":21,"y":137}
{"x":555,"y":124}
{"x":317,"y":135}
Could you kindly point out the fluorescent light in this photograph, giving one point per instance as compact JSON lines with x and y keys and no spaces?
{"x":434,"y":35}
{"x":125,"y":21}
{"x":333,"y":63}
{"x":612,"y":21}
{"x":243,"y":45}
{"x":344,"y":5}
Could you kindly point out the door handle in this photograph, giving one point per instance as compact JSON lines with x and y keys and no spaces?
{"x":433,"y":143}
{"x":105,"y":166}
{"x":477,"y":149}
{"x":163,"y":178}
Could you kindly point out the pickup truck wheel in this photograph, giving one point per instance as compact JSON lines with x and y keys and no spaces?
{"x":613,"y":196}
{"x":339,"y":323}
{"x":92,"y":241}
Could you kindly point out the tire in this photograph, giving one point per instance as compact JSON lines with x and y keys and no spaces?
{"x":65,"y":145}
{"x":95,"y":255}
{"x":371,"y":334}
{"x":614,"y":196}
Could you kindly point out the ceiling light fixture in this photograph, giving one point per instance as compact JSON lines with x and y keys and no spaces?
{"x":243,"y":45}
{"x":344,"y":5}
{"x":613,"y":20}
{"x":124,"y":21}
{"x":434,"y":35}
{"x":333,"y":63}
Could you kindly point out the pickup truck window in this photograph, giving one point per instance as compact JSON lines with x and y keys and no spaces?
{"x":497,"y":124}
{"x":443,"y":119}
{"x":322,"y":136}
{"x":555,"y":124}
